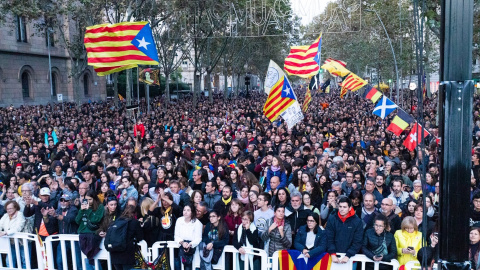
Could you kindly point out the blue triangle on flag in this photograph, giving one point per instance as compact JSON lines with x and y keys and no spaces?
{"x":384,"y":107}
{"x":287,"y":90}
{"x":145,"y":43}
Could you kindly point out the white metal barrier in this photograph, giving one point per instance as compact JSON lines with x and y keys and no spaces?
{"x":21,"y":242}
{"x":362,"y":259}
{"x":171,"y":246}
{"x":71,"y":239}
{"x":413,"y":265}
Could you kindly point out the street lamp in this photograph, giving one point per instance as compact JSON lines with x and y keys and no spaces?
{"x":412,"y":88}
{"x":49,"y":31}
{"x":391,"y":47}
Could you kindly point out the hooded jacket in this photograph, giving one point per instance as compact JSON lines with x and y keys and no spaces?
{"x":344,"y":234}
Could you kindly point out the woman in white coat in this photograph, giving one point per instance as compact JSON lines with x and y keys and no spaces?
{"x":12,"y":222}
{"x":245,"y":237}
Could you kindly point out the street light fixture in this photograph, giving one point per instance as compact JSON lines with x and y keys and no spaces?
{"x":412,"y":88}
{"x":391,"y":47}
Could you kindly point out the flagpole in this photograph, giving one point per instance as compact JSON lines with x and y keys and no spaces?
{"x":138,"y":89}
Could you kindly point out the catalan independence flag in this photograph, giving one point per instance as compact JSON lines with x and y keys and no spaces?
{"x":281,"y":95}
{"x":336,"y":68}
{"x":294,"y":260}
{"x":343,"y":63}
{"x":114,"y":47}
{"x":372,"y":93}
{"x":304,"y":61}
{"x":343,"y":91}
{"x":353,"y":82}
{"x":400,"y":122}
{"x":308,"y":98}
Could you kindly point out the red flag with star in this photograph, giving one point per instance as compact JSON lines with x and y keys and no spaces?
{"x":415,"y":137}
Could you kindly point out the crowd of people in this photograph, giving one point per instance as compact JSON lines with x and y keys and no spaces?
{"x":221,"y":174}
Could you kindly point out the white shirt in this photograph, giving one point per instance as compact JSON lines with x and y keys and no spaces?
{"x":191,"y":231}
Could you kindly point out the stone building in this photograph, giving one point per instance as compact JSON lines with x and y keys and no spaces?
{"x":24,"y":67}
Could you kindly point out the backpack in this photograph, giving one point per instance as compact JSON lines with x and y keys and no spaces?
{"x":116,"y":238}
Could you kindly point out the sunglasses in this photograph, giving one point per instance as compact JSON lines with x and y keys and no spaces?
{"x":63,"y":200}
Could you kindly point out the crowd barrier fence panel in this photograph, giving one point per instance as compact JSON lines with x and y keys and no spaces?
{"x":72,"y":238}
{"x":21,"y":241}
{"x":414,"y":265}
{"x":362,"y":259}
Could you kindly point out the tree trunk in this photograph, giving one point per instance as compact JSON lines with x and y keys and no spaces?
{"x":115,"y":89}
{"x":196,"y":87}
{"x":225,"y":82}
{"x":209,"y":86}
{"x":128,"y":91}
{"x":238,"y":84}
{"x":76,"y":89}
{"x":167,"y":87}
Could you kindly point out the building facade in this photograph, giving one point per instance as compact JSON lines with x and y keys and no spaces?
{"x":24,"y":67}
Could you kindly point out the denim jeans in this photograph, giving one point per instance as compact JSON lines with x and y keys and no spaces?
{"x":68,"y":251}
{"x":205,"y":265}
{"x":89,"y":266}
{"x":22,"y":255}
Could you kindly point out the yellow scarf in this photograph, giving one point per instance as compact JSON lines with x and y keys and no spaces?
{"x":227,"y":201}
{"x":416,"y":195}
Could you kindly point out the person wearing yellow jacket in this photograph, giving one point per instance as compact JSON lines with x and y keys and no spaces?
{"x":409,"y":241}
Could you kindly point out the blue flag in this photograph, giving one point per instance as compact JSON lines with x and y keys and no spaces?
{"x":384,"y":107}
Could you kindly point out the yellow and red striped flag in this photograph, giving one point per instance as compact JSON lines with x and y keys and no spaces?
{"x":281,"y":95}
{"x":114,"y":47}
{"x":343,"y":91}
{"x":336,"y":68}
{"x":308,"y":98}
{"x":353,"y":82}
{"x":304,"y":61}
{"x":293,"y":260}
{"x":343,"y":63}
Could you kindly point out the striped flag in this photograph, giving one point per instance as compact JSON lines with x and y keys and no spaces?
{"x":372,"y":93}
{"x":114,"y":47}
{"x":308,"y":98}
{"x":281,"y":95}
{"x":400,"y":122}
{"x":343,"y":91}
{"x":304,"y":61}
{"x":342,"y":63}
{"x":336,"y":69}
{"x":294,"y":260}
{"x":353,"y":82}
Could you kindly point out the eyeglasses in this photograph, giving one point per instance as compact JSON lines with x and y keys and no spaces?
{"x":310,"y":220}
{"x":63,"y":200}
{"x":384,"y":204}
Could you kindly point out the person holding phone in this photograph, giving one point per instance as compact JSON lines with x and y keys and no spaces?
{"x":379,"y":243}
{"x":408,"y":240}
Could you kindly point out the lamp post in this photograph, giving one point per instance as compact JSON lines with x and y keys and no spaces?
{"x":50,"y":30}
{"x":393,"y":52}
{"x":412,"y":87}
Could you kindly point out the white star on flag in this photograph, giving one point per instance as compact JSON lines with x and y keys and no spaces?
{"x":287,"y":90}
{"x":143,"y":43}
{"x":301,"y":256}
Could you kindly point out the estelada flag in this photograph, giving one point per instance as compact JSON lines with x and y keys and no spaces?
{"x":400,"y":122}
{"x":336,"y":69}
{"x":116,"y":46}
{"x":304,"y":61}
{"x":372,"y":93}
{"x":415,"y":137}
{"x":308,"y":98}
{"x":353,"y":82}
{"x":295,"y":260}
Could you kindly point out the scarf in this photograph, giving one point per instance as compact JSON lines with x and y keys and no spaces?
{"x":275,"y":168}
{"x":226,"y":202}
{"x":167,"y":219}
{"x":416,"y":195}
{"x":240,"y":236}
{"x":279,"y":223}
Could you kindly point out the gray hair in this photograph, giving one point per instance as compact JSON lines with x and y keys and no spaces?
{"x":417,"y":182}
{"x":295,"y":193}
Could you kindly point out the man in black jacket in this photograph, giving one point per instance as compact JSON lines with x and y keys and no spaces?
{"x":296,"y":214}
{"x":388,"y":210}
{"x":43,"y":223}
{"x":344,"y":232}
{"x":223,"y":204}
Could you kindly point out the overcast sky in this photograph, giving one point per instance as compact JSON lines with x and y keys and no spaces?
{"x":307,"y":9}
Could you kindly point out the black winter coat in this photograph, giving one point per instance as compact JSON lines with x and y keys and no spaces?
{"x":134,"y":235}
{"x":344,"y":237}
{"x":372,"y":241}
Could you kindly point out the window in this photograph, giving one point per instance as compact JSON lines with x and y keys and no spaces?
{"x":54,"y":84}
{"x":25,"y":84}
{"x":85,"y":84}
{"x":49,"y":34}
{"x":21,"y":29}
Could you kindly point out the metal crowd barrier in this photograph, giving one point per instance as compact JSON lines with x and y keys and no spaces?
{"x":362,"y":259}
{"x":24,"y":241}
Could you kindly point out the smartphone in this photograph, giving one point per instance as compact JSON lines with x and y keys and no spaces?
{"x":84,"y":201}
{"x":411,"y":248}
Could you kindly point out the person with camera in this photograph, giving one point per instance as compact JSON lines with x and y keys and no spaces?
{"x":89,"y":218}
{"x":43,"y":223}
{"x":379,"y":243}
